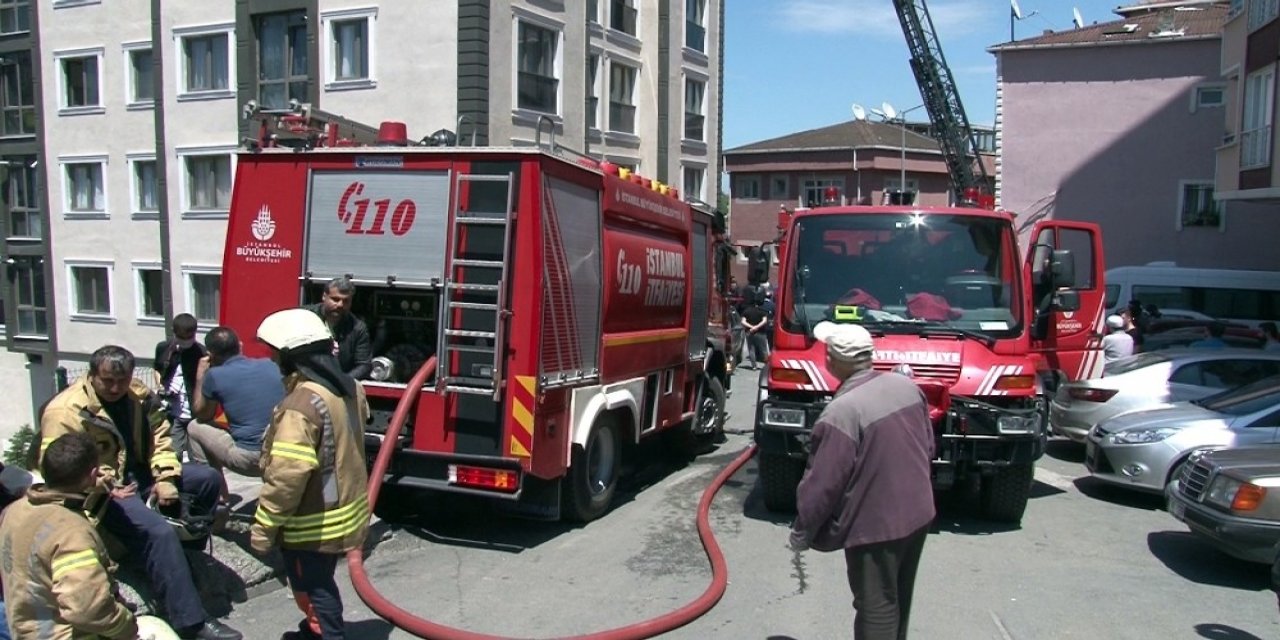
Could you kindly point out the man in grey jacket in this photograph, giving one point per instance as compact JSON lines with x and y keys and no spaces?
{"x":868,"y":488}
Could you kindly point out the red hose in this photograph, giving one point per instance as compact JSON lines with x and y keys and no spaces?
{"x":644,"y":629}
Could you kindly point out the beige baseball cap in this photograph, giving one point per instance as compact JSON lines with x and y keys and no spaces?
{"x":844,"y":341}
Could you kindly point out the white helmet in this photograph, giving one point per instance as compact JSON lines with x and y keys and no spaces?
{"x":292,"y":329}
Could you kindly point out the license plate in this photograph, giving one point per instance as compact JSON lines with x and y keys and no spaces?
{"x":1177,"y":509}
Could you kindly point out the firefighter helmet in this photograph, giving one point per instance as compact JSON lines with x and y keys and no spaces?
{"x":293,"y":329}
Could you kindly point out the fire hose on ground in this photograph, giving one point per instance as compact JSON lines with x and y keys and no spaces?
{"x":424,"y":628}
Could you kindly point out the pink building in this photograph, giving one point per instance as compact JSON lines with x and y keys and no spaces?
{"x":1119,"y":123}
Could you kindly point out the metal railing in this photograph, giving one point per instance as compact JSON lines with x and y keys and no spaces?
{"x":695,"y":36}
{"x":536,"y":92}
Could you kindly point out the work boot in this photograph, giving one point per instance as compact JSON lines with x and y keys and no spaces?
{"x":303,"y":632}
{"x":212,"y":629}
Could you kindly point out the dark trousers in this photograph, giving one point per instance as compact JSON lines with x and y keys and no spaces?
{"x":314,"y":589}
{"x":882,"y":577}
{"x":757,"y":348}
{"x":151,"y":539}
{"x":178,"y":438}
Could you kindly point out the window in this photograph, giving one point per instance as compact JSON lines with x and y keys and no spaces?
{"x":1261,"y":12}
{"x":282,"y":59}
{"x":208,"y":182}
{"x":694,"y":120}
{"x":1196,"y":206}
{"x":779,"y":187}
{"x":150,"y":294}
{"x":749,"y":187}
{"x":1209,"y":96}
{"x":145,"y":196}
{"x":693,"y":177}
{"x":351,"y":50}
{"x":537,"y":83}
{"x":15,"y":16}
{"x":90,"y":289}
{"x":80,"y":82}
{"x":622,"y":16}
{"x":695,"y":25}
{"x":813,"y":191}
{"x":28,"y":287}
{"x":18,"y":95}
{"x":894,"y":184}
{"x":1255,"y":139}
{"x":593,"y":91}
{"x":593,"y":11}
{"x":206,"y":64}
{"x":23,"y":198}
{"x":85,"y":190}
{"x":622,"y":111}
{"x":1236,"y":7}
{"x":141,"y":87}
{"x":202,"y":293}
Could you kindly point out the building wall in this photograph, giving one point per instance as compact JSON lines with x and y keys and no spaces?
{"x":1107,"y":135}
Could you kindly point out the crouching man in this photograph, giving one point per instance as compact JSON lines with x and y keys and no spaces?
{"x":313,"y":502}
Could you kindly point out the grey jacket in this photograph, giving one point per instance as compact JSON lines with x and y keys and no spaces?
{"x":869,"y":478}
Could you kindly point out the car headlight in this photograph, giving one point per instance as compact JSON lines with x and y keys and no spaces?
{"x":1222,"y":492}
{"x":780,"y":417}
{"x":1142,"y":436}
{"x":1012,"y":424}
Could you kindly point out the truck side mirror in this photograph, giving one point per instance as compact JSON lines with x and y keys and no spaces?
{"x":1063,"y":268}
{"x":1067,"y":300}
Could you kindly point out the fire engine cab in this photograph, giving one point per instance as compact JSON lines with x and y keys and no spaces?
{"x":572,"y":307}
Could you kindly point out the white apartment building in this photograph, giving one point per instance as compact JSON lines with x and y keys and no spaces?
{"x":635,"y":81}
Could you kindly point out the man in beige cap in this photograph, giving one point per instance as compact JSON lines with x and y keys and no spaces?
{"x":867,"y":488}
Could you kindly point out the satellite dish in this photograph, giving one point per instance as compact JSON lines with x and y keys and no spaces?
{"x":858,"y":112}
{"x":1017,"y":11}
{"x":889,"y":111}
{"x":1077,"y":18}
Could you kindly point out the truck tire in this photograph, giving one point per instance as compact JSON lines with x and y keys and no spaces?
{"x":780,"y":475}
{"x":700,"y":434}
{"x":1004,"y":494}
{"x":593,"y":474}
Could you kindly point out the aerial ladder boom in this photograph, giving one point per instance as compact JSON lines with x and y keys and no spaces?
{"x":942,"y":101}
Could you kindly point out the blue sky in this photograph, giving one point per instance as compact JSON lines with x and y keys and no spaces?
{"x":792,"y":65}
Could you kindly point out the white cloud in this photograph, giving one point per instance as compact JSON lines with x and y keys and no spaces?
{"x":876,"y":18}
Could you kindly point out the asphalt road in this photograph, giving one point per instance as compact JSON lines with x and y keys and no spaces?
{"x":1087,"y":562}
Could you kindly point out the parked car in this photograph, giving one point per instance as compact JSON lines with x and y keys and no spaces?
{"x":1153,"y":379}
{"x":1145,"y":449}
{"x":1231,"y":499}
{"x":1171,"y":332}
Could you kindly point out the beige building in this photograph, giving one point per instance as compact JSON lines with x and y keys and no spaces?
{"x":635,"y":81}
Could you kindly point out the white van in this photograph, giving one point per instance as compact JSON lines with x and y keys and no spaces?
{"x":1248,"y":297}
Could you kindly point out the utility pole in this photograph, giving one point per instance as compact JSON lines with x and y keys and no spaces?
{"x":162,"y":166}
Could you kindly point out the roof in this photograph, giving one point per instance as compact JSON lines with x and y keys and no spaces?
{"x":1198,"y":22}
{"x":845,"y":135}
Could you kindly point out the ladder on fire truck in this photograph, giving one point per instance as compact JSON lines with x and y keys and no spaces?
{"x":472,"y":336}
{"x":301,"y":126}
{"x":942,"y":101}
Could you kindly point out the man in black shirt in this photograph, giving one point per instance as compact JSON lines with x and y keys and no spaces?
{"x":352,"y":336}
{"x":754,"y":320}
{"x":176,"y":361}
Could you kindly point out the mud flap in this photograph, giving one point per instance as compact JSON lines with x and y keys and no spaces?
{"x":539,"y":500}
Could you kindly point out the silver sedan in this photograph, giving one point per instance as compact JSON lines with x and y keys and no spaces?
{"x":1154,"y":379}
{"x":1146,"y":449}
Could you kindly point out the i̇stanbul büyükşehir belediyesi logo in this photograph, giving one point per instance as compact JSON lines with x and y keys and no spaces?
{"x":263,"y":226}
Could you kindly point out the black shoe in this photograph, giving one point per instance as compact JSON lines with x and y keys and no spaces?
{"x":212,"y":629}
{"x":303,"y":632}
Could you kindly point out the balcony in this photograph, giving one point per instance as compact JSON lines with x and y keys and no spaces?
{"x":536,"y":92}
{"x":695,"y":36}
{"x":622,"y":17}
{"x":622,"y":117}
{"x":1255,"y":148}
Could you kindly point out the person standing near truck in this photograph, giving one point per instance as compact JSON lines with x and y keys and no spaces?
{"x":868,"y":485}
{"x":353,"y":345}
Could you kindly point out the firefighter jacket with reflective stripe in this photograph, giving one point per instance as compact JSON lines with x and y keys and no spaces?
{"x":314,"y":488}
{"x":57,"y":576}
{"x":77,"y":408}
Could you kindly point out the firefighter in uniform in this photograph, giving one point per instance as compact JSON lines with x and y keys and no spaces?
{"x":313,"y":503}
{"x":57,"y":576}
{"x":136,"y":462}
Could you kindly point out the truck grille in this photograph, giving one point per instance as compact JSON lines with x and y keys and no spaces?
{"x":1194,"y":480}
{"x":946,"y":373}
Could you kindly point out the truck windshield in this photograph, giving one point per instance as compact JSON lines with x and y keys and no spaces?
{"x":905,"y":271}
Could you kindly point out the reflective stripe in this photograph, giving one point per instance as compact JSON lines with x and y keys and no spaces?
{"x":66,"y":563}
{"x":330,"y":525}
{"x":263,"y":518}
{"x":295,"y":452}
{"x":161,"y":458}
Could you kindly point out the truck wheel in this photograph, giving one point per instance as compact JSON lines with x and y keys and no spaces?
{"x":1004,"y":494}
{"x":780,"y":475}
{"x":699,"y":435}
{"x":593,"y":474}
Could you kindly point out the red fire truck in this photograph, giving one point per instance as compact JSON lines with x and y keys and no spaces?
{"x":573,"y":307}
{"x":950,"y":302}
